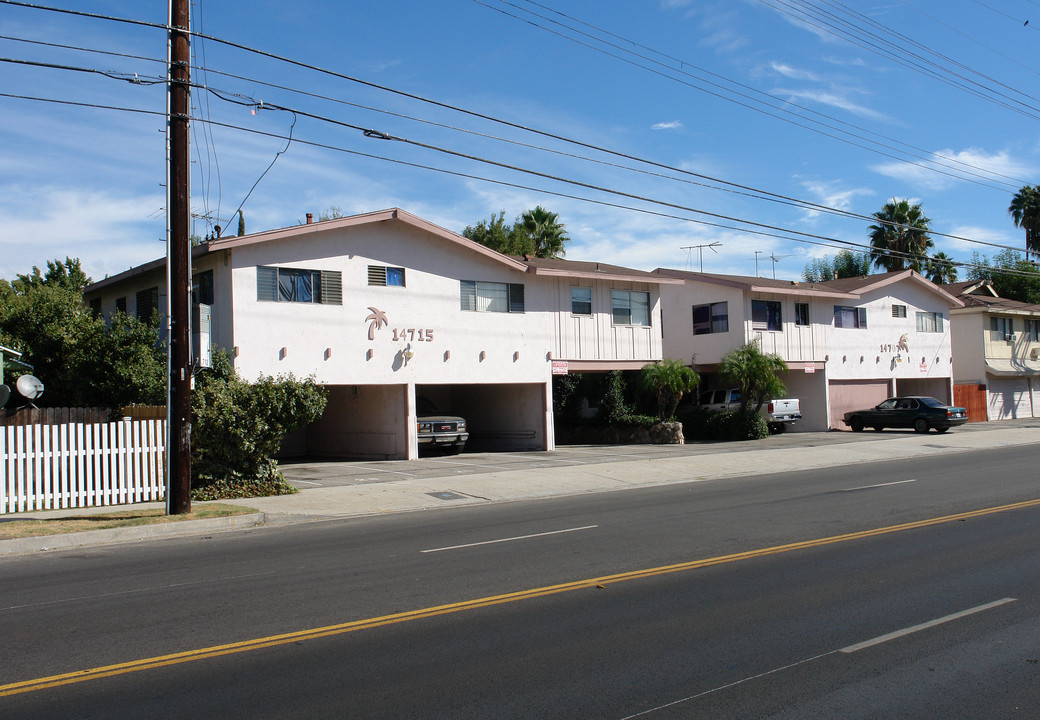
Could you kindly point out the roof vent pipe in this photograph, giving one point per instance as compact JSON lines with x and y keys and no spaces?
{"x":310,"y":218}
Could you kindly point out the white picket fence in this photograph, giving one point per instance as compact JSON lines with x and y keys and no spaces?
{"x":48,"y":467}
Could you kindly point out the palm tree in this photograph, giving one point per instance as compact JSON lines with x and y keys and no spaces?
{"x":900,"y":239}
{"x":546,"y":230}
{"x":940,"y":269}
{"x":756,"y":373}
{"x":1025,"y":212}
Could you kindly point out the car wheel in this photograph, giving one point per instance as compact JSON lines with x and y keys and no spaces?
{"x":879,"y":428}
{"x":856,"y":424}
{"x":941,"y":430}
{"x":920,"y":425}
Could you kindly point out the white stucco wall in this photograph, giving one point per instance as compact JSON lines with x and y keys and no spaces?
{"x":856,"y":353}
{"x":332,"y":341}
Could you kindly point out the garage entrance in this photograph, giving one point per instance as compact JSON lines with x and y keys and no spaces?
{"x":499,"y":417}
{"x":846,"y":395}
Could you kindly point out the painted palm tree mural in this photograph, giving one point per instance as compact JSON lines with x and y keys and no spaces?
{"x":377,"y":319}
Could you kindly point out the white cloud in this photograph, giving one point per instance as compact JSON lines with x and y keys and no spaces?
{"x":793,"y":73}
{"x":832,"y":194}
{"x":949,"y":165}
{"x":673,"y":125}
{"x":831,"y":98}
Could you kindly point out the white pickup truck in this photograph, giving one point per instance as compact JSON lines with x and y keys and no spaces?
{"x":777,"y":413}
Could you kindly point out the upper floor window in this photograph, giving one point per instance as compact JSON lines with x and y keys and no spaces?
{"x":801,"y":313}
{"x":277,"y":284}
{"x":147,"y":303}
{"x":850,"y":317}
{"x":202,"y":288}
{"x":630,"y":307}
{"x":710,"y":318}
{"x":382,"y":275}
{"x":121,"y":305}
{"x":95,"y":307}
{"x":899,"y":311}
{"x":581,"y":301}
{"x":765,"y":315}
{"x":479,"y":296}
{"x":929,"y":322}
{"x":1033,"y":330}
{"x":1001,"y":328}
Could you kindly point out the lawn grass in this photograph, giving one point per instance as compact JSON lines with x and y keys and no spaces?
{"x":121,"y":518}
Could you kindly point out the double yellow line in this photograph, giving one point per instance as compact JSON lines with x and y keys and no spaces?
{"x":43,"y":683}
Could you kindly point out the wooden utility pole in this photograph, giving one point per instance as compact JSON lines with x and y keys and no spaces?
{"x":178,"y":258}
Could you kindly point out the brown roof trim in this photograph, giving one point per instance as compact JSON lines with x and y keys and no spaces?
{"x":378,"y":216}
{"x":759,"y":285}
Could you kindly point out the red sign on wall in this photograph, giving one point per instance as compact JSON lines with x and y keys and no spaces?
{"x":559,"y":367}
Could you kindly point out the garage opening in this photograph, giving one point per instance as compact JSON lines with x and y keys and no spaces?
{"x":499,"y":417}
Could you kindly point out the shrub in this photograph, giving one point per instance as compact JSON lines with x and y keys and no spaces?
{"x":237,"y":427}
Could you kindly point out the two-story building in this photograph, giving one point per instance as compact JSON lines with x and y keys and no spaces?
{"x":383,"y":308}
{"x":848,"y":343}
{"x":996,"y":350}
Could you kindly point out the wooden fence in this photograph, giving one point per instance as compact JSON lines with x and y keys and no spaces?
{"x":48,"y":467}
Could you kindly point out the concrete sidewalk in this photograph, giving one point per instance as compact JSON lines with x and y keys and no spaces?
{"x":417,"y":494}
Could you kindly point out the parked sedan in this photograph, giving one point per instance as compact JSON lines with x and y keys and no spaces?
{"x":919,"y":413}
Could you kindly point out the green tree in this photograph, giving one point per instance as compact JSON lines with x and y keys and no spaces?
{"x":755,"y":373}
{"x":845,"y":264}
{"x":1025,"y":212}
{"x":241,"y":224}
{"x":333,"y":212}
{"x":537,"y":233}
{"x":668,"y":380}
{"x":237,"y":428}
{"x":545,"y":231}
{"x":82,"y":361}
{"x":66,"y":274}
{"x":1012,"y":276}
{"x":941,"y":269}
{"x":900,"y":240}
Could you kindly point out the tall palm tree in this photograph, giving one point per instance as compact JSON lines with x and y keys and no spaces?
{"x":546,"y":230}
{"x":1025,"y":212}
{"x":900,"y":239}
{"x":940,"y":269}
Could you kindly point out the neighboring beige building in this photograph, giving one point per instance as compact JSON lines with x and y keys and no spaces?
{"x":996,"y":350}
{"x":385,"y":307}
{"x":848,"y":343}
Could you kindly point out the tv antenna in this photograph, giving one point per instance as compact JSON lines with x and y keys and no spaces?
{"x":776,"y":259}
{"x":700,"y":252}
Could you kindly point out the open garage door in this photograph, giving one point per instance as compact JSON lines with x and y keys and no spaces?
{"x":846,"y":395}
{"x":499,"y":417}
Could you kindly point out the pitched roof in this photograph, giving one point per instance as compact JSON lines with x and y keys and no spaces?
{"x":757,"y":284}
{"x":592,"y":270}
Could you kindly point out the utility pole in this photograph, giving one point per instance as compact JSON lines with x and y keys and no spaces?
{"x":178,"y":265}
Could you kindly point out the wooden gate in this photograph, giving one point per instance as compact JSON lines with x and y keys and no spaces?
{"x":972,"y":398}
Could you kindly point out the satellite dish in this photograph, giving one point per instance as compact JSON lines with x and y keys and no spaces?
{"x":29,"y":386}
{"x":5,"y":395}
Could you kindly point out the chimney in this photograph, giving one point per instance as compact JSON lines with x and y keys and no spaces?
{"x":217,"y":228}
{"x":310,"y":218}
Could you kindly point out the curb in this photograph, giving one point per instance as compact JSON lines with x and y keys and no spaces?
{"x":113,"y":536}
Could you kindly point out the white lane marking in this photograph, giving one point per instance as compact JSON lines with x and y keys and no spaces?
{"x":868,"y":487}
{"x":138,"y":590}
{"x":767,"y":673}
{"x":511,"y":539}
{"x":925,"y":626}
{"x":468,"y":464}
{"x":307,"y":482}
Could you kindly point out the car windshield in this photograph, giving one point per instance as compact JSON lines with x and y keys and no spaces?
{"x":931,"y":402}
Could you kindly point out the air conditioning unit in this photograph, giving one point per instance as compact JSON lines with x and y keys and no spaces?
{"x":1011,"y":339}
{"x":1034,"y":354}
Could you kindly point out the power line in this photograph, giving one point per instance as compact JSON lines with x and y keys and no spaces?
{"x":764,"y":231}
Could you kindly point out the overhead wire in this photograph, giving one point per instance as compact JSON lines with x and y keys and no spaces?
{"x":759,"y":229}
{"x":754,"y":95}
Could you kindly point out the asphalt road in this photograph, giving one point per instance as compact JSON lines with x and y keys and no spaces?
{"x":678,"y":601}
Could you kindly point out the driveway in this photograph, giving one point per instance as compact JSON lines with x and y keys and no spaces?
{"x":335,"y":473}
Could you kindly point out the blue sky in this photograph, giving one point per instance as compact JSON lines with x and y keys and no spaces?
{"x":931,"y":100}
